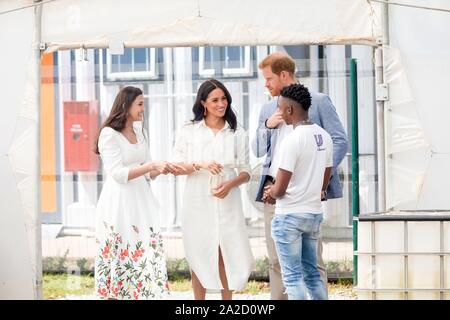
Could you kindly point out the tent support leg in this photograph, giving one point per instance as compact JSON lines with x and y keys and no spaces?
{"x":37,"y":228}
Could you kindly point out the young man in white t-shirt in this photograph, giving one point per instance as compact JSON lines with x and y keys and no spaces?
{"x":305,"y":163}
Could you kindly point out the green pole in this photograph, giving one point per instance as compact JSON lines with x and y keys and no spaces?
{"x":355,"y":164}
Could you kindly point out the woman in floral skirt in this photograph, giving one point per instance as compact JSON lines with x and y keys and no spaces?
{"x":130,"y":261}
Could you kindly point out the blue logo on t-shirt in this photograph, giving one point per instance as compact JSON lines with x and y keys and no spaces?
{"x":319,"y":141}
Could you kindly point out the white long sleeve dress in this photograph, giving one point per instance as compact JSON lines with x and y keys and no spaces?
{"x":130,"y":261}
{"x":207,"y":221}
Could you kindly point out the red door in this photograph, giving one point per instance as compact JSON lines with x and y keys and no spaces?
{"x":80,"y":132}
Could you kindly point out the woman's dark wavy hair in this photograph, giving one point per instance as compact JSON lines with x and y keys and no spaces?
{"x":205,"y":89}
{"x":118,"y":115}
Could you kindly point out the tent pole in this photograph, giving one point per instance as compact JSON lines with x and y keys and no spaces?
{"x":37,"y":221}
{"x":381,"y":106}
{"x":355,"y":163}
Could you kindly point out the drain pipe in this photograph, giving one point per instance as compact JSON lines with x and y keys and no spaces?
{"x":355,"y":163}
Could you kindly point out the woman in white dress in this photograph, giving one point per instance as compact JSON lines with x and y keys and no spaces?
{"x":130,"y":261}
{"x":214,"y":154}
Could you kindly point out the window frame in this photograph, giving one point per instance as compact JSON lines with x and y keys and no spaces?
{"x":151,"y":74}
{"x":245,"y":72}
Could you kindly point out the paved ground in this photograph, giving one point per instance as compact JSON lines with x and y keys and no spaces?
{"x":188,"y":295}
{"x":85,"y":247}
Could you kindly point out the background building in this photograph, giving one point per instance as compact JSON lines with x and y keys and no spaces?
{"x":169,"y":78}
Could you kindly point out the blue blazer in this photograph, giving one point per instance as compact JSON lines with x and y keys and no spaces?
{"x":323,"y":113}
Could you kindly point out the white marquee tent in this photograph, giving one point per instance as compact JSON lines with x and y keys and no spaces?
{"x":416,"y":68}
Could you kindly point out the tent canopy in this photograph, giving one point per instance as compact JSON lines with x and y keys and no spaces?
{"x":66,"y":24}
{"x":137,"y":23}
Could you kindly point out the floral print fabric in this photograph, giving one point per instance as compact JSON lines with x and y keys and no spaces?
{"x":125,"y":270}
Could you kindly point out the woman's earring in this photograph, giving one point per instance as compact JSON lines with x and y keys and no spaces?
{"x":204,"y":113}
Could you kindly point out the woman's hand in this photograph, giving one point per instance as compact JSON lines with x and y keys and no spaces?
{"x":181,"y":169}
{"x":222,"y":189}
{"x":159,"y":167}
{"x":211,"y":166}
{"x":164,"y":167}
{"x":175,"y":169}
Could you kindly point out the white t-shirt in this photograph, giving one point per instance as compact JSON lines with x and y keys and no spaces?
{"x":283,"y":131}
{"x":306,"y":152}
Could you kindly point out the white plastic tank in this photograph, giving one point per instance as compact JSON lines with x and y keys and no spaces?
{"x":404,"y":255}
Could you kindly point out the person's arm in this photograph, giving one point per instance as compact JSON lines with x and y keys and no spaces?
{"x":224,"y":188}
{"x":155,"y":168}
{"x":182,"y":160}
{"x":243,"y":166}
{"x":289,"y":150}
{"x":111,"y":155}
{"x":188,"y":168}
{"x":326,"y":180}
{"x":328,"y":166}
{"x":191,"y":167}
{"x":154,"y":174}
{"x":138,"y":171}
{"x":278,"y":190}
{"x":261,"y":142}
{"x":331,"y":123}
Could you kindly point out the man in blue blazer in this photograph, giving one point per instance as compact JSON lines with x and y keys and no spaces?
{"x":278,"y":70}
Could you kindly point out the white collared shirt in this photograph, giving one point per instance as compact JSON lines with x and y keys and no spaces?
{"x":209,"y":222}
{"x":197,"y":142}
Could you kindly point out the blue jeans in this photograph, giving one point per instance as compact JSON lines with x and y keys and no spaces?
{"x":295,"y":236}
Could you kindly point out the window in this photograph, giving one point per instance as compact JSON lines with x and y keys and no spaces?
{"x":300,"y":53}
{"x":237,"y":61}
{"x":207,"y":57}
{"x":134,"y":63}
{"x":231,"y":61}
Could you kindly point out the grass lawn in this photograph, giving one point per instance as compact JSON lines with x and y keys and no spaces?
{"x":60,"y":285}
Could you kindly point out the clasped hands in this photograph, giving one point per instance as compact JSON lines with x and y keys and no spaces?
{"x":222,"y":189}
{"x":267,"y":198}
{"x":164,"y":167}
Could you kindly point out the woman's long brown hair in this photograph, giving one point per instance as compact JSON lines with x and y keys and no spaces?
{"x":118,"y":115}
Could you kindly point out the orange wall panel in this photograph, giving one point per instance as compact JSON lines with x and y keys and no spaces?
{"x":48,"y":153}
